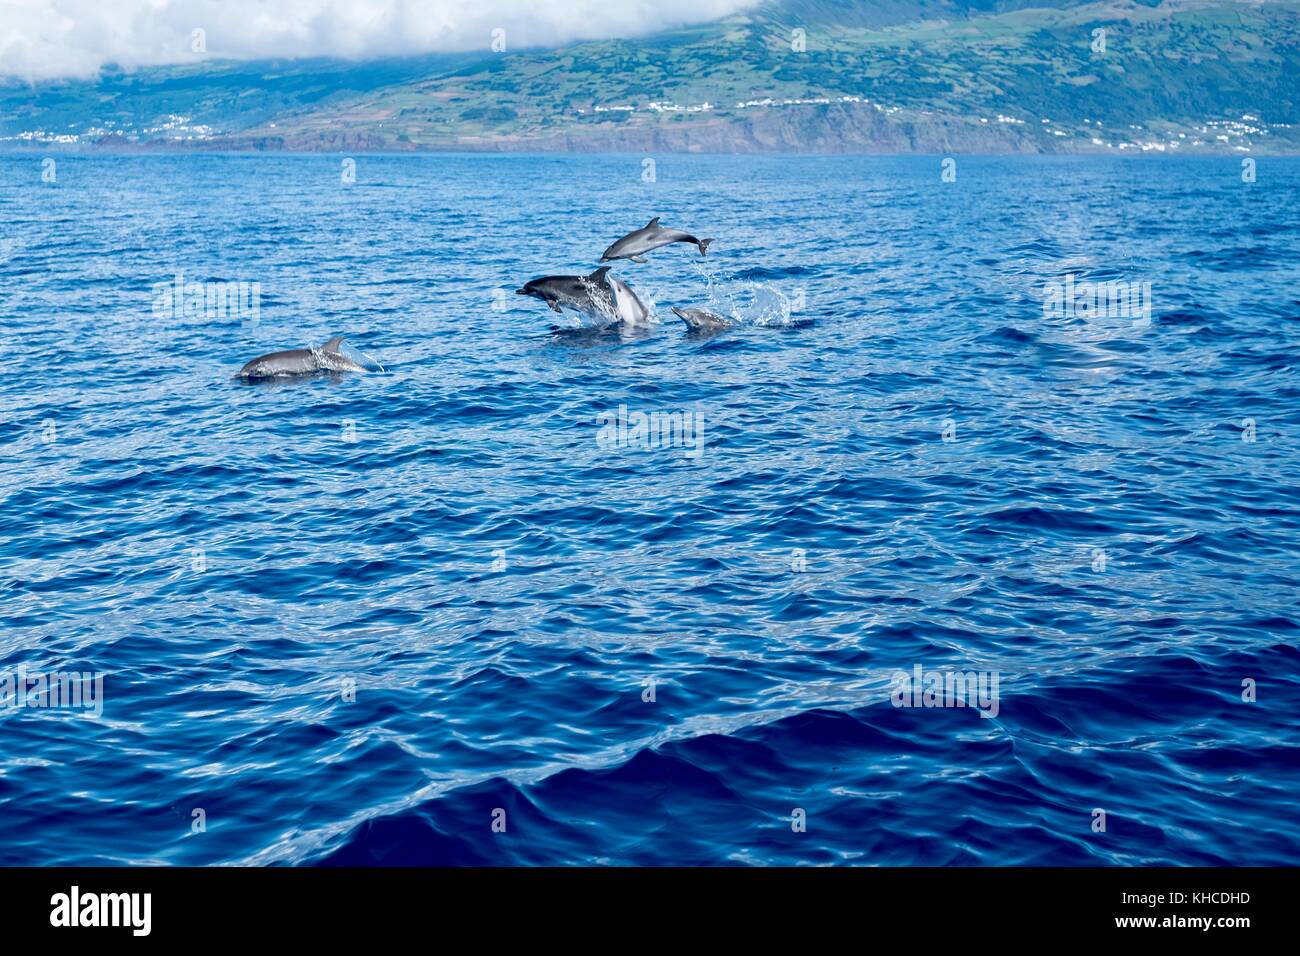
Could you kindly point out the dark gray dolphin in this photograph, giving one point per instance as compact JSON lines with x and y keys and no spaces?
{"x":326,"y":358}
{"x":636,"y":244}
{"x":702,"y":320}
{"x":599,"y":295}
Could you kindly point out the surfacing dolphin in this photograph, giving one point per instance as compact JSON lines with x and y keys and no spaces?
{"x":599,"y":295}
{"x":326,"y":358}
{"x":702,"y":320}
{"x":636,"y":244}
{"x":629,"y":308}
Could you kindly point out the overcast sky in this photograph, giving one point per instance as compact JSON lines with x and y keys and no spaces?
{"x":43,"y":39}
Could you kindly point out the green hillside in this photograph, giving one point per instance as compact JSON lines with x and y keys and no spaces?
{"x":1190,"y":75}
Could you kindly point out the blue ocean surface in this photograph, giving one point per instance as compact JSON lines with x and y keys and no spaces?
{"x":467,"y":611}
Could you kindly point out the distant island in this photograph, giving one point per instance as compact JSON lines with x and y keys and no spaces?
{"x":928,"y":76}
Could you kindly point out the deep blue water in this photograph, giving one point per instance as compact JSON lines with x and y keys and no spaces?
{"x":907,"y":462}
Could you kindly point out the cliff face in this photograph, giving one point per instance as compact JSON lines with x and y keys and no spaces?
{"x":828,"y":128}
{"x":835,"y":128}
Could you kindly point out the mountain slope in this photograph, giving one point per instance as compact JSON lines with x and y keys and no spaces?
{"x":923,"y":75}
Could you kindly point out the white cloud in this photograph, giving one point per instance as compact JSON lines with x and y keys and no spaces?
{"x":44,"y":39}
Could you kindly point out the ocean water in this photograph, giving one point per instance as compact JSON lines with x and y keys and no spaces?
{"x":377,"y":618}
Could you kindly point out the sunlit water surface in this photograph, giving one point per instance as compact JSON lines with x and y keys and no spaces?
{"x":350,"y":619}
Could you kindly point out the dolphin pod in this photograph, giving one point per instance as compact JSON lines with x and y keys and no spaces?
{"x":600,"y":295}
{"x":604,"y":295}
{"x":324,"y":358}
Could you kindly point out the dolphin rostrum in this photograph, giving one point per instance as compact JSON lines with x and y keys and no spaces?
{"x":702,"y":320}
{"x":636,"y":244}
{"x":326,"y":358}
{"x":599,"y":295}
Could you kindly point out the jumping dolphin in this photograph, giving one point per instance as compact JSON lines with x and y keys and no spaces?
{"x":631,"y":311}
{"x":702,"y":320}
{"x":326,"y":358}
{"x":636,"y":244}
{"x":599,"y":295}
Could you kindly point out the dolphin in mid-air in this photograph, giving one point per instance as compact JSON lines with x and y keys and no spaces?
{"x":636,"y":244}
{"x":702,"y":320}
{"x":599,"y":295}
{"x":326,"y":358}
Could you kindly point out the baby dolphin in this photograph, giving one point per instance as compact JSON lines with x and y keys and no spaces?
{"x":599,"y":295}
{"x":702,"y":320}
{"x":326,"y":358}
{"x":636,"y":244}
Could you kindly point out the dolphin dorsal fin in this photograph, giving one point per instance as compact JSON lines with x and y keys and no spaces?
{"x":333,"y":344}
{"x":652,"y":223}
{"x":598,"y":275}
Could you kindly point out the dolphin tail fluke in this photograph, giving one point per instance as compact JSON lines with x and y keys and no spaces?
{"x":704,"y":244}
